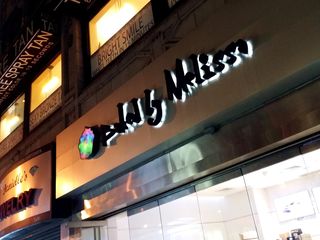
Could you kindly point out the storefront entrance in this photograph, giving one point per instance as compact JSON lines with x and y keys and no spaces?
{"x":273,"y":197}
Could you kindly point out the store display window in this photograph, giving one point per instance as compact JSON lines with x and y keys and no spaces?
{"x":111,"y":18}
{"x":278,"y":202}
{"x":46,"y":84}
{"x":12,"y":118}
{"x":285,"y":198}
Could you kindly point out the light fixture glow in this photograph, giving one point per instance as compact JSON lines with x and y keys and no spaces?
{"x":113,"y":20}
{"x":50,"y":86}
{"x":87,"y":204}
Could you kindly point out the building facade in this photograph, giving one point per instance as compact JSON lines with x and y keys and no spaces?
{"x":160,"y":120}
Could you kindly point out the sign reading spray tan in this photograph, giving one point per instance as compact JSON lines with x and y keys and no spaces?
{"x":131,"y":32}
{"x":25,"y":194}
{"x":29,"y":48}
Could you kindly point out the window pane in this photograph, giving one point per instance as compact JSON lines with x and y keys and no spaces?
{"x":12,"y":118}
{"x":111,"y":19}
{"x":181,"y":219}
{"x":46,"y":84}
{"x":118,"y":227}
{"x":225,"y":211}
{"x":146,"y":224}
{"x":285,"y":198}
{"x":87,"y":233}
{"x":104,"y":233}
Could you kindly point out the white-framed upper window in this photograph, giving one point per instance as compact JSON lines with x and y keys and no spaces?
{"x":111,"y":18}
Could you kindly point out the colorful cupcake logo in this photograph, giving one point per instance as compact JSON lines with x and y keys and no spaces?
{"x":89,"y":142}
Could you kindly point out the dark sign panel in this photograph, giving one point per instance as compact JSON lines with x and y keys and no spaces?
{"x":30,"y":47}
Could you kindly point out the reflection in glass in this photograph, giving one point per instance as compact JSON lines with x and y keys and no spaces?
{"x":118,"y":227}
{"x":146,"y":225}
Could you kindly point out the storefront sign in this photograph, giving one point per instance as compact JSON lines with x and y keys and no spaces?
{"x":24,"y":54}
{"x":25,"y":194}
{"x":190,"y":74}
{"x":131,"y":32}
{"x":16,"y":204}
{"x":131,"y":115}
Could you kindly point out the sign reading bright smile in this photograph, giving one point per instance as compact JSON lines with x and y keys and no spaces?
{"x":189,"y":75}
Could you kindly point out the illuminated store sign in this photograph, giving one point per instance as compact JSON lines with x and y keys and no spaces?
{"x":189,"y":75}
{"x":20,"y":178}
{"x":130,"y":33}
{"x":16,"y":204}
{"x":89,"y":142}
{"x":131,"y":115}
{"x":25,"y":194}
{"x":24,"y":54}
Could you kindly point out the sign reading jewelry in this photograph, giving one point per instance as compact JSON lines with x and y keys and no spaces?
{"x":189,"y":75}
{"x":30,"y":47}
{"x":16,"y":204}
{"x":25,"y":194}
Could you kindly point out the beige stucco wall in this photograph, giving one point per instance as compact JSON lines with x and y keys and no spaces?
{"x":285,"y":37}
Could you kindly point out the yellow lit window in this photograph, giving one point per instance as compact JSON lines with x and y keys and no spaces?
{"x":12,"y":118}
{"x":111,"y":19}
{"x":48,"y":82}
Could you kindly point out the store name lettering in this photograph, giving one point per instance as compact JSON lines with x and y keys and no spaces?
{"x":19,"y":179}
{"x":188,"y":76}
{"x":130,"y":33}
{"x":16,"y":204}
{"x":26,"y":52}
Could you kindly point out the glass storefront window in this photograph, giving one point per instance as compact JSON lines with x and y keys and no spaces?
{"x":145,"y":224}
{"x":181,"y":218}
{"x":226,"y":212}
{"x":111,"y":19}
{"x":118,"y":227}
{"x":12,"y":118}
{"x":285,"y":198}
{"x":46,"y":84}
{"x":277,"y":202}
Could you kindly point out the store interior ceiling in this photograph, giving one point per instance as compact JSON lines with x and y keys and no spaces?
{"x":299,"y":166}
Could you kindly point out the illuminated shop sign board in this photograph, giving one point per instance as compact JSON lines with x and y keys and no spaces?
{"x":31,"y":46}
{"x":189,"y":75}
{"x":25,"y":194}
{"x":130,"y":33}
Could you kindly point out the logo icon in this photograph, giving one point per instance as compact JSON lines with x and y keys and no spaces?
{"x":89,"y":142}
{"x":33,"y":170}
